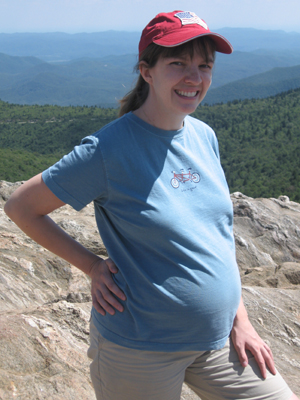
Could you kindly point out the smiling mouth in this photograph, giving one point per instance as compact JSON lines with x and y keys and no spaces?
{"x":186,"y":94}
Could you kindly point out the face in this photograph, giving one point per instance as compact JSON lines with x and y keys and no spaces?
{"x":178,"y":85}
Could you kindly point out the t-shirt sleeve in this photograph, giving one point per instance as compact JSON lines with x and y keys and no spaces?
{"x":79,"y":177}
{"x":215,"y":145}
{"x":213,"y":140}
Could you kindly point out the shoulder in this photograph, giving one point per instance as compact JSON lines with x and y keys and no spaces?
{"x":118,"y":125}
{"x":203,"y":133}
{"x":197,"y":123}
{"x":199,"y":126}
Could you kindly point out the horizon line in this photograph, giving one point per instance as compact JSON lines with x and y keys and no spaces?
{"x":139,"y":31}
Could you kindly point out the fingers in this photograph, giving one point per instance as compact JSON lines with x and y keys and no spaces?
{"x":268,"y":356}
{"x":240,"y":349}
{"x":107,"y":282}
{"x":111,"y":265}
{"x":97,"y":306}
{"x":249,"y":340}
{"x":242,"y":357}
{"x":104,"y":289}
{"x":264,"y":358}
{"x":104,"y":301}
{"x":261,"y":363}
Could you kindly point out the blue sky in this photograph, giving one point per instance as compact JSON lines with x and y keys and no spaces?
{"x":73,"y":16}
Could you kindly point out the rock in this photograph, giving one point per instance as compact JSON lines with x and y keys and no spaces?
{"x":291,"y":271}
{"x":267,"y":234}
{"x":45,"y":302}
{"x":275,"y":314}
{"x":43,"y":353}
{"x":6,"y":189}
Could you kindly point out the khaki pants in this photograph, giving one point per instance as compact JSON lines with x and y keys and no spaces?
{"x":121,"y":373}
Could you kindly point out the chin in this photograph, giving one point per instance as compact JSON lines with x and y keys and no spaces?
{"x":190,"y":109}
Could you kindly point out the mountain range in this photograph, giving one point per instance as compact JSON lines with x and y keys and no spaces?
{"x":78,"y":82}
{"x":97,"y":69}
{"x":262,"y":85}
{"x":64,"y":47}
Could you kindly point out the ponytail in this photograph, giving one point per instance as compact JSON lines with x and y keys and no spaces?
{"x":135,"y":98}
{"x":138,"y":95}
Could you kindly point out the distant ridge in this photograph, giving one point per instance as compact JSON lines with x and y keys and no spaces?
{"x":96,"y":69}
{"x":241,"y":64}
{"x":258,"y":86}
{"x":63,"y":47}
{"x":60,"y":47}
{"x":250,"y":39}
{"x":17,"y":65}
{"x":90,"y":82}
{"x":102,"y":81}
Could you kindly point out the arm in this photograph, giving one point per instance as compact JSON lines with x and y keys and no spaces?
{"x":245,"y":337}
{"x":28,"y":207}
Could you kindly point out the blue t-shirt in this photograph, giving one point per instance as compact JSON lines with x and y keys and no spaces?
{"x":164,"y":213}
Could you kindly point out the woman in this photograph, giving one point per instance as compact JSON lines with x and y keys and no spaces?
{"x":164,"y":213}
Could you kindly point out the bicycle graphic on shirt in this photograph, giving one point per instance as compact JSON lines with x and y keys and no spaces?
{"x":184,"y":177}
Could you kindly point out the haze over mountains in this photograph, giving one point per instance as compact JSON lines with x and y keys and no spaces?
{"x":97,"y":68}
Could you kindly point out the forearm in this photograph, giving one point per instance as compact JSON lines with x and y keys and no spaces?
{"x":241,"y":313}
{"x":47,"y":233}
{"x":29,"y":207}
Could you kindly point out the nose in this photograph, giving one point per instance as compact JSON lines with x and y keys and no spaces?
{"x":193,"y":75}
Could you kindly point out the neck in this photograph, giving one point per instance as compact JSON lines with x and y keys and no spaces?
{"x":159,"y":119}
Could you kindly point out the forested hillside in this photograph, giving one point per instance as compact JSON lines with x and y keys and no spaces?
{"x":34,"y":137}
{"x":259,"y":140}
{"x":259,"y":144}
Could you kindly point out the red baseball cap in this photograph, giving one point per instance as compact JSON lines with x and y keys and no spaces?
{"x":177,"y":27}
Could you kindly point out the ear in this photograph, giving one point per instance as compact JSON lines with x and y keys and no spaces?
{"x":145,"y":71}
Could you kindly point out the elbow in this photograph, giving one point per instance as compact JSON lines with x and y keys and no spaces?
{"x":9,"y":209}
{"x":13,"y":208}
{"x":15,"y":204}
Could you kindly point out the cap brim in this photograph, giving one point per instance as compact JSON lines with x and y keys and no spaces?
{"x":174,"y":39}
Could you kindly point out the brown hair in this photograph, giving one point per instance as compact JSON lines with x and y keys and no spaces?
{"x":138,"y":95}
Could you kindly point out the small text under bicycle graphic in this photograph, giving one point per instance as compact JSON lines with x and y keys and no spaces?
{"x":183,"y":177}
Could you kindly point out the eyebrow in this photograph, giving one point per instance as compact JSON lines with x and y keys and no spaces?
{"x":186,"y":56}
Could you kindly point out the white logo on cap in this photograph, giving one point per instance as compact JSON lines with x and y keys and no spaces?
{"x":188,"y":17}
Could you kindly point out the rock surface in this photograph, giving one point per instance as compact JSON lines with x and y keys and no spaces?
{"x":45,"y":302}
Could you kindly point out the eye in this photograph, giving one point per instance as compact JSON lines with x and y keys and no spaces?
{"x":205,"y":66}
{"x":179,"y":63}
